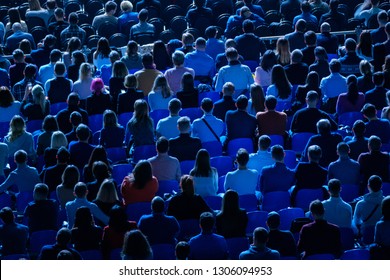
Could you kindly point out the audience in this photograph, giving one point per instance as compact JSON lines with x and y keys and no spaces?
{"x":258,"y":250}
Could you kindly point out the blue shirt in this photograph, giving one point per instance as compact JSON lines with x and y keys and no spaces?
{"x":214,"y":47}
{"x":276,"y":177}
{"x":208,"y":247}
{"x":46,"y":72}
{"x":24,"y":177}
{"x":201,"y":62}
{"x":126,"y":17}
{"x":14,"y":238}
{"x":332,"y":86}
{"x":346,"y":170}
{"x":240,"y":75}
{"x":380,"y":128}
{"x":308,"y":17}
{"x":200,"y":129}
{"x":159,"y":228}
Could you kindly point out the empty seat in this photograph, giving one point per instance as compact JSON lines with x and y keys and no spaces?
{"x":120,"y":171}
{"x":95,"y":122}
{"x":213,"y":95}
{"x":192,"y":113}
{"x":214,"y":202}
{"x":38,"y":239}
{"x":275,"y":201}
{"x":276,"y":140}
{"x":305,"y":196}
{"x":124,"y":118}
{"x":134,"y":211}
{"x":143,"y":152}
{"x":288,"y":215}
{"x":347,"y":238}
{"x":256,"y":219}
{"x":157,"y":115}
{"x":349,"y":118}
{"x":249,"y":202}
{"x":290,"y":159}
{"x":356,"y":254}
{"x":56,"y":107}
{"x":236,"y":246}
{"x":186,"y":166}
{"x":188,"y":229}
{"x":163,"y":251}
{"x":213,"y":147}
{"x":167,"y":186}
{"x":235,"y":144}
{"x":299,"y":141}
{"x":116,"y":154}
{"x":349,"y":192}
{"x":223,"y":164}
{"x":34,"y":125}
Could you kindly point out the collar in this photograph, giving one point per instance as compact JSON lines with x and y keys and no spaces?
{"x":234,"y":62}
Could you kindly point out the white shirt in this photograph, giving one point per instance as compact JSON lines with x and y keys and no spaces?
{"x":338,"y":212}
{"x":167,"y":127}
{"x":242,"y":181}
{"x":258,"y":160}
{"x":200,"y":129}
{"x":207,"y":186}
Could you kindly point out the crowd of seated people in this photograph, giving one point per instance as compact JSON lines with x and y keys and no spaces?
{"x":95,"y":125}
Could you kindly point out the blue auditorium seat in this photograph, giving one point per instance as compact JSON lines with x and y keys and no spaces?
{"x":213,"y":147}
{"x":256,"y":219}
{"x":299,"y":141}
{"x":275,"y":201}
{"x":288,"y":215}
{"x":167,"y":186}
{"x":163,"y":251}
{"x":157,"y":115}
{"x":235,"y":144}
{"x":120,"y":171}
{"x":305,"y":196}
{"x":186,"y":166}
{"x":236,"y":245}
{"x":192,"y":113}
{"x":249,"y":202}
{"x":143,"y":152}
{"x":91,"y":255}
{"x":223,"y":164}
{"x":38,"y":239}
{"x":356,"y":254}
{"x":95,"y":122}
{"x":214,"y":202}
{"x":134,"y":211}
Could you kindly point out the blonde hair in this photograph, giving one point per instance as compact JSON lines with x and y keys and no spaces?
{"x":34,"y":5}
{"x":85,"y":71}
{"x":107,"y":192}
{"x":39,"y":97}
{"x":160,"y":83}
{"x":126,"y":6}
{"x":58,"y":140}
{"x":283,"y":50}
{"x":17,"y":127}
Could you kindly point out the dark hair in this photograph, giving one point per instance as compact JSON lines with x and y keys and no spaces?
{"x":141,"y":114}
{"x":20,"y":156}
{"x":270,"y":102}
{"x":142,"y":173}
{"x":248,"y":26}
{"x":231,"y":53}
{"x":365,"y":43}
{"x":143,"y":15}
{"x":279,"y":79}
{"x":158,"y":204}
{"x":264,"y":142}
{"x":100,"y":171}
{"x":257,"y":96}
{"x":334,"y":186}
{"x":136,"y":246}
{"x":7,"y":215}
{"x":103,"y":48}
{"x":378,"y":78}
{"x":162,"y":145}
{"x":242,"y":102}
{"x":260,"y":235}
{"x":375,"y":143}
{"x":82,"y":132}
{"x":207,"y":221}
{"x":14,"y":15}
{"x":6,"y":97}
{"x":273,"y":219}
{"x":314,"y":153}
{"x":182,"y":248}
{"x":160,"y":51}
{"x":277,"y":152}
{"x":359,"y":128}
{"x":207,"y":104}
{"x":83,"y":218}
{"x":242,"y":156}
{"x":118,"y":219}
{"x":80,"y":189}
{"x":110,"y":6}
{"x":63,"y":155}
{"x":317,"y":208}
{"x":386,"y":208}
{"x":147,"y":60}
{"x":50,"y":123}
{"x":79,"y":57}
{"x":30,"y":71}
{"x":211,"y":31}
{"x":310,"y":38}
{"x":375,"y":183}
{"x":230,"y":203}
{"x":268,"y":60}
{"x":70,"y":177}
{"x":63,"y":236}
{"x":18,"y":54}
{"x":55,"y":55}
{"x":187,"y":185}
{"x":352,"y":89}
{"x":323,"y":127}
{"x":73,"y":18}
{"x":187,"y":82}
{"x":202,"y":166}
{"x":335,"y":65}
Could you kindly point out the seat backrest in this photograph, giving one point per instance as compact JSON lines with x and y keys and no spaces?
{"x":91,"y":255}
{"x":288,"y":215}
{"x":95,"y":122}
{"x":249,"y":202}
{"x":167,"y":186}
{"x":305,"y":196}
{"x":163,"y":251}
{"x":143,"y":152}
{"x":349,"y":192}
{"x":236,"y":246}
{"x":40,"y":238}
{"x":320,"y":257}
{"x":192,"y":113}
{"x":214,"y":202}
{"x":299,"y":141}
{"x":186,"y":166}
{"x":188,"y":229}
{"x":256,"y":219}
{"x":134,"y":211}
{"x":223,"y":164}
{"x":235,"y":144}
{"x":356,"y":254}
{"x":120,"y":171}
{"x":157,"y":115}
{"x":275,"y":201}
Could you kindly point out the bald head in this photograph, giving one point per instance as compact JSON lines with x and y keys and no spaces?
{"x":325,"y":27}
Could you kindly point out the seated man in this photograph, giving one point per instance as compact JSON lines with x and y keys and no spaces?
{"x":271,"y":122}
{"x":377,"y":95}
{"x":58,"y":88}
{"x":80,"y":192}
{"x":262,"y":157}
{"x":357,"y":143}
{"x":174,"y":75}
{"x":296,"y":71}
{"x":375,"y":126}
{"x":226,"y":103}
{"x":50,"y":252}
{"x":52,"y":175}
{"x":167,"y":127}
{"x":207,"y":245}
{"x":276,"y":177}
{"x":310,"y":175}
{"x":350,"y":61}
{"x":242,"y":180}
{"x":24,"y":177}
{"x":368,"y":210}
{"x":319,"y":237}
{"x":81,"y":150}
{"x":41,"y":213}
{"x":164,"y":167}
{"x":326,"y":140}
{"x":337,"y":211}
{"x":207,"y":128}
{"x":184,"y":147}
{"x":158,"y":227}
{"x":280,"y":240}
{"x":147,"y":75}
{"x":258,"y":250}
{"x":13,"y":236}
{"x":344,"y":169}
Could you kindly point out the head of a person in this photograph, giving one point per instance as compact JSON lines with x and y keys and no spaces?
{"x":103,"y":47}
{"x":206,"y":222}
{"x":75,"y":118}
{"x":182,"y":250}
{"x":7,"y":216}
{"x":374,"y":183}
{"x":99,"y":153}
{"x":323,"y":127}
{"x":119,"y":70}
{"x":230,"y":203}
{"x":63,"y":155}
{"x":74,"y":44}
{"x":110,"y":7}
{"x":50,"y":123}
{"x":300,"y":26}
{"x":14,"y":15}
{"x":147,"y":60}
{"x":270,"y":102}
{"x":85,"y":71}
{"x":59,"y":14}
{"x":107,"y":192}
{"x":314,"y":153}
{"x":317,"y":209}
{"x":230,"y":43}
{"x":334,"y":187}
{"x":58,"y":140}
{"x":174,"y":106}
{"x":245,"y":12}
{"x":296,"y":56}
{"x":282,"y":46}
{"x":97,"y":85}
{"x":30,"y":71}
{"x":242,"y":102}
{"x":141,"y":110}
{"x":70,"y":177}
{"x":242,"y":157}
{"x":334,"y":4}
{"x":277,"y":153}
{"x":207,"y":105}
{"x":83,"y":218}
{"x":305,"y":7}
{"x":73,"y":18}
{"x":273,"y":220}
{"x":41,"y":192}
{"x":178,"y":58}
{"x":260,"y":237}
{"x":82,"y":133}
{"x":59,"y":69}
{"x":187,"y":82}
{"x":200,"y":44}
{"x":365,"y":67}
{"x":378,"y":78}
{"x":310,"y":38}
{"x":278,"y":74}
{"x":248,"y":26}
{"x":228,"y":89}
{"x":110,"y":119}
{"x":17,"y":127}
{"x":264,"y":142}
{"x":143,"y":15}
{"x":80,"y":189}
{"x":350,"y":45}
{"x":199,"y":3}
{"x":25,"y":46}
{"x":202,"y":164}
{"x":136,"y":246}
{"x":130,"y":81}
{"x":187,"y":39}
{"x":63,"y":236}
{"x":187,"y":185}
{"x":126,"y":6}
{"x":56,"y":55}
{"x":211,"y":32}
{"x":16,"y":27}
{"x":184,"y":124}
{"x":158,"y":205}
{"x":18,"y":56}
{"x":6,"y":97}
{"x":369,"y":111}
{"x":358,"y":128}
{"x":65,"y":255}
{"x":100,"y":171}
{"x":386,"y":208}
{"x":142,"y":173}
{"x":162,"y":145}
{"x":132,"y":48}
{"x":49,"y":42}
{"x":231,"y":54}
{"x":382,"y":18}
{"x":343,"y":149}
{"x":335,"y":66}
{"x":268,"y":60}
{"x":20,"y":157}
{"x":320,"y":54}
{"x":118,"y":219}
{"x":374,"y":143}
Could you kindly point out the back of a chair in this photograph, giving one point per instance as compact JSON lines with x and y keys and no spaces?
{"x":157,"y":115}
{"x":188,"y":229}
{"x":299,"y":141}
{"x":95,"y":122}
{"x":349,"y":192}
{"x":213,"y":147}
{"x":213,"y":95}
{"x":223,"y":164}
{"x":349,"y":118}
{"x":386,"y":188}
{"x":235,"y":144}
{"x":186,"y":166}
{"x":320,"y":257}
{"x":116,"y":154}
{"x":56,"y":107}
{"x":91,"y":255}
{"x":290,"y":159}
{"x":192,"y":113}
{"x":134,"y":211}
{"x":249,"y":202}
{"x":305,"y":196}
{"x":167,"y":187}
{"x":38,"y":239}
{"x":214,"y":202}
{"x":288,"y":215}
{"x":143,"y":152}
{"x":275,"y":201}
{"x":118,"y":40}
{"x":120,"y":171}
{"x":256,"y":219}
{"x":347,"y":238}
{"x":236,"y":246}
{"x":252,"y":64}
{"x":34,"y":125}
{"x":221,"y":184}
{"x":22,"y":199}
{"x":276,"y":140}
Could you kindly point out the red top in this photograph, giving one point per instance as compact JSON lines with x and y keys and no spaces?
{"x":131,"y":194}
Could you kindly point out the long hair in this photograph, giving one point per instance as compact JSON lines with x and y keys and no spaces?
{"x":268,"y":60}
{"x":365,"y":43}
{"x":70,"y":177}
{"x":17,"y":127}
{"x":136,"y":246}
{"x":14,"y":16}
{"x":85,"y":71}
{"x":187,"y":185}
{"x":202,"y":166}
{"x":352,"y":89}
{"x":6,"y":97}
{"x":74,"y":44}
{"x":34,"y":5}
{"x":312,"y":80}
{"x":118,"y":219}
{"x":110,"y":119}
{"x":119,"y":70}
{"x":107,"y":192}
{"x":141,"y":114}
{"x":39,"y":97}
{"x":230,"y":203}
{"x":257,"y":97}
{"x":58,"y":140}
{"x":98,"y":154}
{"x":187,"y":82}
{"x":142,"y":174}
{"x":103,"y":48}
{"x":279,"y":79}
{"x":83,"y":218}
{"x":161,"y":84}
{"x":283,"y":50}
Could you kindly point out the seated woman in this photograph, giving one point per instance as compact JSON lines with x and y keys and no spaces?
{"x":364,"y":82}
{"x":381,"y":250}
{"x":39,"y":108}
{"x":140,"y":185}
{"x":160,"y":95}
{"x":100,"y":173}
{"x":263,"y":72}
{"x":312,"y":83}
{"x":127,"y":99}
{"x":188,"y":95}
{"x":116,"y":83}
{"x":205,"y":177}
{"x":98,"y":154}
{"x":187,"y":205}
{"x":280,"y":87}
{"x":85,"y":234}
{"x":70,"y":178}
{"x":112,"y":134}
{"x":99,"y":100}
{"x":107,"y":196}
{"x":83,"y":84}
{"x":73,"y":71}
{"x":49,"y":125}
{"x":114,"y":232}
{"x":232,"y":220}
{"x":58,"y":140}
{"x":101,"y":55}
{"x":352,"y":100}
{"x":256,"y":101}
{"x":136,"y":246}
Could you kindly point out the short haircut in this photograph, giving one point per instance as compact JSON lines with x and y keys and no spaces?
{"x":126,"y":6}
{"x":147,"y":59}
{"x":178,"y":58}
{"x":207,"y":105}
{"x":182,"y":250}
{"x":358,"y":128}
{"x":174,"y":106}
{"x":264,"y":142}
{"x":30,"y":70}
{"x":382,"y":17}
{"x":305,"y":6}
{"x":73,"y":18}
{"x":80,"y":189}
{"x":271,"y":102}
{"x":110,"y":6}
{"x":296,"y":56}
{"x":200,"y":42}
{"x":55,"y":55}
{"x":63,"y":155}
{"x":320,"y":52}
{"x":184,"y":123}
{"x":162,"y":145}
{"x":231,"y":53}
{"x":242,"y":102}
{"x":76,"y":118}
{"x":310,"y":38}
{"x":211,"y":31}
{"x":333,"y":4}
{"x":260,"y":235}
{"x":41,"y":190}
{"x":300,"y":25}
{"x":248,"y":26}
{"x":335,"y":65}
{"x":242,"y":156}
{"x":375,"y":183}
{"x":64,"y":236}
{"x":82,"y":132}
{"x":312,"y":96}
{"x":350,"y":45}
{"x":343,"y":148}
{"x":277,"y":152}
{"x":375,"y":143}
{"x":369,"y":110}
{"x":207,"y":221}
{"x":273,"y":219}
{"x":59,"y":12}
{"x":20,"y":156}
{"x":59,"y":68}
{"x":334,"y":186}
{"x":7,"y":215}
{"x":317,"y":208}
{"x":18,"y":54}
{"x":314,"y":153}
{"x":158,"y":204}
{"x":323,"y":126}
{"x":228,"y":88}
{"x":378,"y":78}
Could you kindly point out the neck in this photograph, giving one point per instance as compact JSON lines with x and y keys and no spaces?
{"x":242,"y":167}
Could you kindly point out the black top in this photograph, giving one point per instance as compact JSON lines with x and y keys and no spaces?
{"x":189,"y":99}
{"x":184,"y":207}
{"x":230,"y":226}
{"x":34,"y":111}
{"x":126,"y":100}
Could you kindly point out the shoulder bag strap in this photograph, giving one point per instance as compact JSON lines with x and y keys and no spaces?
{"x":371,"y":214}
{"x":211,"y":129}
